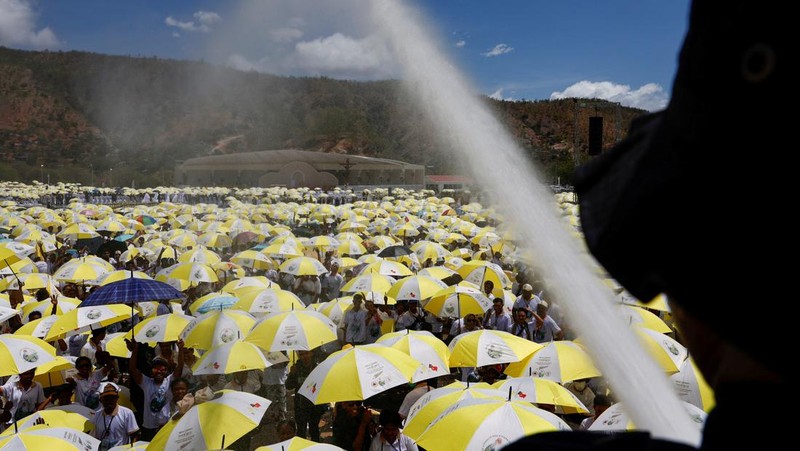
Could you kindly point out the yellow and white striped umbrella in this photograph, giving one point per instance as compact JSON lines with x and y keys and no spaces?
{"x":387,"y":268}
{"x":489,"y":347}
{"x":234,"y":357}
{"x":643,"y":318}
{"x":351,"y":247}
{"x":191,"y":272}
{"x":691,"y":386}
{"x":200,"y":254}
{"x":111,"y":225}
{"x":50,"y":418}
{"x":435,"y":402}
{"x":458,"y":301}
{"x":83,"y":270}
{"x":185,"y":239}
{"x":30,"y":281}
{"x":559,"y":361}
{"x":83,"y":319}
{"x":369,"y":282}
{"x":122,"y":274}
{"x":13,"y":251}
{"x":415,"y":288}
{"x":282,"y":250}
{"x":160,"y":328}
{"x":253,"y":259}
{"x":37,"y":328}
{"x":480,"y":271}
{"x":294,"y":330}
{"x":247,"y":283}
{"x":437,"y":272}
{"x":217,"y":328}
{"x":298,"y":444}
{"x":358,"y":373}
{"x":427,"y":250}
{"x":542,"y":391}
{"x":335,"y":308}
{"x":78,"y":231}
{"x":423,"y":346}
{"x":268,"y":300}
{"x":616,"y":419}
{"x":212,"y":424}
{"x":382,"y":241}
{"x":324,"y":242}
{"x":303,"y":266}
{"x":213,"y":301}
{"x":215,"y":240}
{"x":41,"y":437}
{"x":20,"y":353}
{"x":45,"y":307}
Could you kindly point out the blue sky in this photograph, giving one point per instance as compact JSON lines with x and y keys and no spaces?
{"x":621,"y":50}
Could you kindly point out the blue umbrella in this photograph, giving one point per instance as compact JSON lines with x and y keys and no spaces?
{"x":131,"y":291}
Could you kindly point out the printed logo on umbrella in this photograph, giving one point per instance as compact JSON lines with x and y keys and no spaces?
{"x":494,"y":351}
{"x":227,"y":335}
{"x":152,"y":331}
{"x":93,"y":314}
{"x":671,"y":347}
{"x":29,"y":355}
{"x":522,"y":395}
{"x":433,"y":367}
{"x":314,"y":388}
{"x":494,"y":442}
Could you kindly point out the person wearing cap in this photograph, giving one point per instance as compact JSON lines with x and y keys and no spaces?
{"x":526,"y":301}
{"x":114,"y":425}
{"x":156,"y":388}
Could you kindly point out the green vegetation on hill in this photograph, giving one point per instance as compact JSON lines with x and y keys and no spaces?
{"x":118,"y":119}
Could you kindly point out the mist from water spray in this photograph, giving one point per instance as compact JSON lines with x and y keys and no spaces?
{"x":466,"y":123}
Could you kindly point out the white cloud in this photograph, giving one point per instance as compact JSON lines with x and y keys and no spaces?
{"x":18,"y":26}
{"x":649,"y":97}
{"x":343,"y":54}
{"x":204,"y":20}
{"x":461,"y":43}
{"x":175,"y":34}
{"x":498,"y":95}
{"x":499,"y":49}
{"x":283,"y":35}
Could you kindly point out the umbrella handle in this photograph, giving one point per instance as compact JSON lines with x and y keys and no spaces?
{"x":223,"y":442}
{"x":19,"y":283}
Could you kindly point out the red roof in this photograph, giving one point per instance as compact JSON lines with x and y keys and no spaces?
{"x":448,"y":179}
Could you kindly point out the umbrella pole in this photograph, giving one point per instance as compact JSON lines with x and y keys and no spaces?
{"x":223,"y":442}
{"x":509,"y":393}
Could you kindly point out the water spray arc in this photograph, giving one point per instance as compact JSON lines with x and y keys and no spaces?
{"x":498,"y":164}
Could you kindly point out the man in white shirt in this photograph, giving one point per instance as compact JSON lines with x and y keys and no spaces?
{"x":24,"y":393}
{"x":114,"y":425}
{"x":390,"y":437}
{"x":96,"y":343}
{"x":545,"y":328}
{"x":527,"y":301}
{"x":332,"y":283}
{"x":354,"y":322}
{"x":497,"y":318}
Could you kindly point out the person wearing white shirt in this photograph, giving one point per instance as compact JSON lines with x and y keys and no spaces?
{"x":545,"y":328}
{"x":391,"y":438}
{"x":527,"y":301}
{"x":497,"y":318}
{"x":114,"y":425}
{"x":24,"y":393}
{"x":354,"y":322}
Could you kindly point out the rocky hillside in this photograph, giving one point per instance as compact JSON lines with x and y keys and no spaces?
{"x":116,"y":120}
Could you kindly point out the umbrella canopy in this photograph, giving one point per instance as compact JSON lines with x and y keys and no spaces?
{"x":253,"y":259}
{"x":643,"y":318}
{"x":37,"y":328}
{"x":335,"y":308}
{"x":358,"y":373}
{"x":297,"y":444}
{"x":216,"y":328}
{"x":559,"y":361}
{"x":20,"y":353}
{"x":489,"y":347}
{"x":245,"y":283}
{"x":6,"y":313}
{"x":135,"y":446}
{"x":368,"y":282}
{"x":303,"y":266}
{"x":116,"y":276}
{"x":81,"y":271}
{"x":191,"y":272}
{"x":422,"y":346}
{"x":132,"y":290}
{"x":214,"y":423}
{"x":480,"y":271}
{"x":479,"y":424}
{"x":294,"y":330}
{"x":30,"y":281}
{"x":200,"y":254}
{"x":668,"y":353}
{"x":616,"y":419}
{"x":691,"y":387}
{"x":83,"y":319}
{"x":433,"y":403}
{"x":50,"y":418}
{"x":161,"y":328}
{"x":387,"y":268}
{"x":268,"y":300}
{"x":233,"y":357}
{"x":41,"y":437}
{"x":415,"y":288}
{"x":395,"y":251}
{"x":213,"y":301}
{"x":458,"y":301}
{"x":541,"y":391}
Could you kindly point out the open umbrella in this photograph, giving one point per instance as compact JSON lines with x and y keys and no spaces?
{"x":480,"y":271}
{"x":20,"y":353}
{"x":213,"y":424}
{"x":268,"y":300}
{"x":358,"y":373}
{"x":303,"y":266}
{"x":479,"y":424}
{"x":423,"y":346}
{"x":691,"y":386}
{"x":161,"y":328}
{"x":387,"y":268}
{"x":213,"y":301}
{"x":559,"y":361}
{"x":83,"y":319}
{"x":50,"y":418}
{"x":298,"y":444}
{"x":43,"y":437}
{"x":294,"y":330}
{"x":234,"y":357}
{"x":37,"y":328}
{"x":489,"y":347}
{"x":246,"y":283}
{"x":216,"y":328}
{"x":368,"y":282}
{"x":116,"y":276}
{"x":395,"y":251}
{"x":130,"y":291}
{"x":458,"y":301}
{"x":541,"y":391}
{"x":616,"y":419}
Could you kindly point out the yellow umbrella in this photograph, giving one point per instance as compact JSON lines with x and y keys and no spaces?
{"x":691,"y":386}
{"x":200,"y":254}
{"x":436,"y":272}
{"x":303,"y":266}
{"x":246,"y":283}
{"x":487,"y":423}
{"x":43,"y":437}
{"x":489,"y":347}
{"x":160,"y":328}
{"x":458,"y":301}
{"x":387,"y":268}
{"x":282,"y":250}
{"x":135,"y":446}
{"x":30,"y":281}
{"x":253,"y":259}
{"x":358,"y":373}
{"x":559,"y":361}
{"x":37,"y":328}
{"x":368,"y":282}
{"x":83,"y":319}
{"x":82,"y":270}
{"x":213,"y":424}
{"x":78,"y":231}
{"x":335,"y":308}
{"x":268,"y":300}
{"x":351,"y":247}
{"x":213,"y":301}
{"x":122,"y":274}
{"x":50,"y":418}
{"x":186,"y":239}
{"x":348,"y":262}
{"x":294,"y":330}
{"x":298,"y":444}
{"x":643,"y":318}
{"x":433,"y":403}
{"x":215,"y":239}
{"x":234,"y":357}
{"x":45,"y":307}
{"x":541,"y":391}
{"x":216,"y":328}
{"x":478,"y":272}
{"x":422,"y":346}
{"x":191,"y":272}
{"x":21,"y":353}
{"x":324,"y":241}
{"x":668,"y":353}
